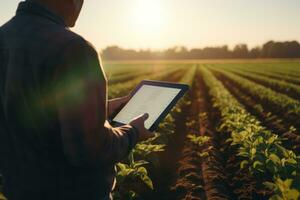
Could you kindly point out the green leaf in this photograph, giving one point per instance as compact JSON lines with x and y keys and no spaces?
{"x":140,"y":163}
{"x":148,"y":182}
{"x":204,"y":154}
{"x":253,"y":151}
{"x":274,"y":158}
{"x":142,"y":170}
{"x":243,"y":164}
{"x":121,"y":166}
{"x":256,"y":164}
{"x":198,"y":140}
{"x":132,"y":195}
{"x":271,"y":140}
{"x":292,"y":194}
{"x":270,"y":185}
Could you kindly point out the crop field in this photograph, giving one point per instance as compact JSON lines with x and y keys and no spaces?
{"x":235,"y":135}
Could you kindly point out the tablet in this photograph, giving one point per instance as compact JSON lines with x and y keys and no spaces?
{"x":156,"y":98}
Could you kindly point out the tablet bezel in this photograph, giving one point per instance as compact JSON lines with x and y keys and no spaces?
{"x":183,"y":89}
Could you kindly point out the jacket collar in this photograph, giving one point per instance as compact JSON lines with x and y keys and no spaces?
{"x":30,"y":7}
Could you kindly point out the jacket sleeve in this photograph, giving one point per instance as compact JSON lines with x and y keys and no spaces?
{"x":81,"y":102}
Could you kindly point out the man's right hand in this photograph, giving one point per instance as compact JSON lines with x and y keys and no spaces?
{"x":139,"y":123}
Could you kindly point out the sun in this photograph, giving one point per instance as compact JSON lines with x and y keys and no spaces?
{"x":148,"y":14}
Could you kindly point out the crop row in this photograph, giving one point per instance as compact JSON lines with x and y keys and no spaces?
{"x":189,"y":182}
{"x":207,"y":163}
{"x":279,"y":72}
{"x":269,"y":74}
{"x":122,"y":88}
{"x":269,"y":111}
{"x":283,"y":103}
{"x":277,"y":85}
{"x":290,"y":69}
{"x":261,"y":150}
{"x":146,"y":70}
{"x":284,"y":127}
{"x":135,"y":169}
{"x":113,"y":70}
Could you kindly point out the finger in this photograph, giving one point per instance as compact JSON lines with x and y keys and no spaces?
{"x":140,"y":117}
{"x":145,"y":116}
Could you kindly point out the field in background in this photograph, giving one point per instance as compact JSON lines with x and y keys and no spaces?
{"x":235,"y":135}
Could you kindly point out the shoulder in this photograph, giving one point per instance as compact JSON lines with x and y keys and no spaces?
{"x":79,"y":47}
{"x":77,"y":41}
{"x":44,"y":34}
{"x":69,"y":45}
{"x":69,"y":38}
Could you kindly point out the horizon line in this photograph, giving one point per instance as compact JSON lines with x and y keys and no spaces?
{"x":230,"y":47}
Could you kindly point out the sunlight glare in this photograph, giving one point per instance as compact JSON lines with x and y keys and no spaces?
{"x":148,"y":15}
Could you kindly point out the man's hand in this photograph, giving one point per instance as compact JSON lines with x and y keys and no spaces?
{"x":116,"y":104}
{"x":139,"y":123}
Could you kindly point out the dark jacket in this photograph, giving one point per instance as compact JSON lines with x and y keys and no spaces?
{"x":55,"y":141}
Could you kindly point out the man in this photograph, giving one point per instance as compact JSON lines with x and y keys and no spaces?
{"x":56,"y":142}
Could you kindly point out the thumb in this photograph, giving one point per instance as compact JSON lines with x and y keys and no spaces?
{"x":142,"y":117}
{"x":145,"y":116}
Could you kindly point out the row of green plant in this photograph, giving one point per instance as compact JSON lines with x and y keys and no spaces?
{"x":281,"y":101}
{"x":115,"y":69}
{"x":132,"y":175}
{"x":122,"y":76}
{"x":272,"y":74}
{"x":290,"y":69}
{"x":280,"y":85}
{"x":282,"y":72}
{"x":260,"y":149}
{"x":122,"y":88}
{"x":282,"y":77}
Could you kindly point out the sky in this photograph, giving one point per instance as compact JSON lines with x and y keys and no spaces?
{"x":160,"y":24}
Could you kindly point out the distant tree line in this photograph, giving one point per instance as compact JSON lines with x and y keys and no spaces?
{"x":271,"y":49}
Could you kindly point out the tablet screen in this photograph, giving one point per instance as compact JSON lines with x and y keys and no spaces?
{"x":148,"y":99}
